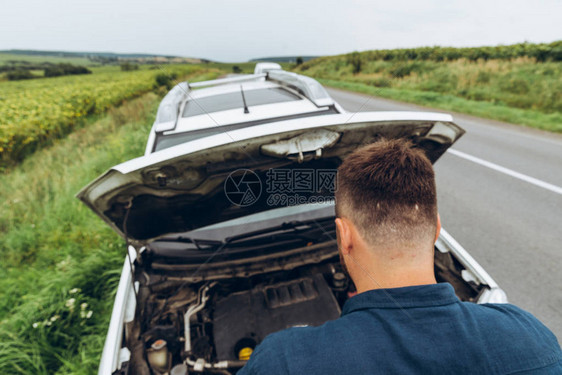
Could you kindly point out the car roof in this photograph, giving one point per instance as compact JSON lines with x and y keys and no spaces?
{"x":234,"y":87}
{"x":248,"y":99}
{"x":234,"y":116}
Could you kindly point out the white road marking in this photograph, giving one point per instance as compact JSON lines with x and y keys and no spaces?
{"x":517,"y":130}
{"x":507,"y":171}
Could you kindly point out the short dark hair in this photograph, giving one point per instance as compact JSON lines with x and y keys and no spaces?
{"x":387,"y":189}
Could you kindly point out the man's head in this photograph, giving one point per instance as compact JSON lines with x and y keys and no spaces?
{"x":386,"y":208}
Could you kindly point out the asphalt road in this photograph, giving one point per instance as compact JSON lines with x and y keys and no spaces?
{"x":507,"y":214}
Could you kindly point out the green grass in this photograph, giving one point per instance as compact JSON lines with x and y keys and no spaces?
{"x":57,"y":254}
{"x":5,"y":57}
{"x":531,"y":118}
{"x":521,"y":91}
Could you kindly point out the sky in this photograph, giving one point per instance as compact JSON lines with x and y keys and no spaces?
{"x":232,"y":31}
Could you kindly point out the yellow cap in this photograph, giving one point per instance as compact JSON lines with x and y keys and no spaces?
{"x":245,"y":353}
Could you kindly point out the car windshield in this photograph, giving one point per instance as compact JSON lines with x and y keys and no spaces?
{"x":164,"y":141}
{"x":233,"y":100}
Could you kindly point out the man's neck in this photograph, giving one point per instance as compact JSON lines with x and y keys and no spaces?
{"x":369,"y":275}
{"x":385,"y":283}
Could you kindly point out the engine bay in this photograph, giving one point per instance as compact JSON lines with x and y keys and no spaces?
{"x":243,"y":319}
{"x":213,"y":326}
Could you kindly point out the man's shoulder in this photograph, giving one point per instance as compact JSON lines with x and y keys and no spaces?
{"x":506,"y":314}
{"x":509,"y":328}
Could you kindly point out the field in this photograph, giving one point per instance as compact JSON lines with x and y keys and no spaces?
{"x":520,"y":90}
{"x":36,"y":112}
{"x":60,"y":263}
{"x":6,"y":57}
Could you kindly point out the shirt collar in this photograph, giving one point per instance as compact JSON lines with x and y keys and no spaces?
{"x":399,"y":298}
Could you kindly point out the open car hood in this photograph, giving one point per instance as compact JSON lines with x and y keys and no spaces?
{"x":186,"y":187}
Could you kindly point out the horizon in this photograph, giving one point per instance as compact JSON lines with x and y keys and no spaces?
{"x":151,"y":54}
{"x":223,"y":31}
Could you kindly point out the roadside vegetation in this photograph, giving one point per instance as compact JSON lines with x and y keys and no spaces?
{"x":521,"y":84}
{"x":60,"y":263}
{"x":34,"y":113}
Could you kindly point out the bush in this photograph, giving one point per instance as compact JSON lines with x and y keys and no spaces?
{"x":236,"y":69}
{"x":165,"y":79}
{"x":380,"y":82}
{"x":477,"y":94}
{"x":441,"y":80}
{"x":12,"y":65}
{"x":483,"y":77}
{"x":556,"y":54}
{"x":127,"y":66}
{"x":65,"y":69}
{"x":354,"y":60}
{"x":16,"y":75}
{"x":401,"y":70}
{"x":515,"y":86}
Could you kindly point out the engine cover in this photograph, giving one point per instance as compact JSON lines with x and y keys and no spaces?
{"x":249,"y":316}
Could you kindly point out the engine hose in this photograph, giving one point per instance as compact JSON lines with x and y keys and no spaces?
{"x":199,"y":365}
{"x":193,"y":309}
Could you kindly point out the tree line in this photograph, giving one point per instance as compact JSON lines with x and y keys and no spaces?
{"x":541,"y":52}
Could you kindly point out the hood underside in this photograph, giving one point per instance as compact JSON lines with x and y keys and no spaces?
{"x":187,"y":186}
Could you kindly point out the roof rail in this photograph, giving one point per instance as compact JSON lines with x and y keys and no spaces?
{"x":309,"y":87}
{"x":168,"y":111}
{"x":222,"y":81}
{"x":169,"y":108}
{"x":264,"y":67}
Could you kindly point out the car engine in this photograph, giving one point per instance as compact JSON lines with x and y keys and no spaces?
{"x":242,"y":319}
{"x":214,"y":326}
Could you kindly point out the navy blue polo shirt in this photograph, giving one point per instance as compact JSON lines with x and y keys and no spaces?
{"x":413,"y":330}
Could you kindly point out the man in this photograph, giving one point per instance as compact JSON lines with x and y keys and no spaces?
{"x":402,"y":321}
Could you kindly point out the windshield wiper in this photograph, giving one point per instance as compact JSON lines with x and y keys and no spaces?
{"x":287,"y":226}
{"x":286,"y":234}
{"x":200,"y":243}
{"x":295,"y":227}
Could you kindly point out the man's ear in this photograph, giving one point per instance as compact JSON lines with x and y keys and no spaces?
{"x":438,"y":230}
{"x":345,"y":237}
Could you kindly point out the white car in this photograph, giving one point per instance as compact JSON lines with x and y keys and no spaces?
{"x":195,"y":110}
{"x":225,"y":246}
